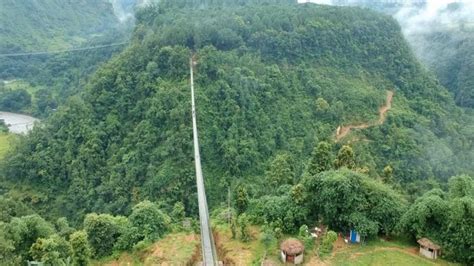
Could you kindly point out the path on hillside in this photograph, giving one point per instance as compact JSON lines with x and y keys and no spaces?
{"x":343,"y":131}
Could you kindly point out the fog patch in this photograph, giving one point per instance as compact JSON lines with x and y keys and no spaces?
{"x":120,"y":11}
{"x":434,"y":16}
{"x":124,"y":10}
{"x":321,"y":2}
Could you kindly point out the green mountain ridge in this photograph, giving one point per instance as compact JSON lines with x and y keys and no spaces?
{"x":258,"y":83}
{"x":274,"y":80}
{"x":49,"y":25}
{"x":48,"y":79}
{"x":448,"y":51}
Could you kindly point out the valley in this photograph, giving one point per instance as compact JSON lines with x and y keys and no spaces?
{"x":322,"y":137}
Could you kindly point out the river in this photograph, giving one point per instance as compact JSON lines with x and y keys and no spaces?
{"x":18,"y":123}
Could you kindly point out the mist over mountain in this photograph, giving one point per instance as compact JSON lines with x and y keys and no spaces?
{"x":441,"y":35}
{"x":125,"y":9}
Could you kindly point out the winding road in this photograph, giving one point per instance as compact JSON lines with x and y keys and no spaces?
{"x":343,"y":131}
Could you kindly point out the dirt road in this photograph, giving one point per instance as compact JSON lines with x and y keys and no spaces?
{"x":343,"y":131}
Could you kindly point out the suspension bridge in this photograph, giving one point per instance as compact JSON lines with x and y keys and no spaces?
{"x":209,"y":254}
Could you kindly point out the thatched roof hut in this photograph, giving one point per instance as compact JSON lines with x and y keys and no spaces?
{"x":292,"y":246}
{"x":292,"y":251}
{"x":428,"y":248}
{"x":425,"y":242}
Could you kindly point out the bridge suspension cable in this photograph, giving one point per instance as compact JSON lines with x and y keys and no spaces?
{"x":209,"y":254}
{"x":63,"y":51}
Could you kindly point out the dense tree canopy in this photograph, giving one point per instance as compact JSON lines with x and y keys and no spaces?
{"x":447,"y":218}
{"x":348,"y":200}
{"x":273,"y":81}
{"x":51,"y":24}
{"x":128,"y":138}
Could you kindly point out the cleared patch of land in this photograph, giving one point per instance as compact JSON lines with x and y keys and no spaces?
{"x":174,"y":249}
{"x":236,"y":252}
{"x":380,"y":252}
{"x":184,"y":249}
{"x":21,"y":84}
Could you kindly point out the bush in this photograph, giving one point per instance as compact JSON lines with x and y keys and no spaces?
{"x":327,"y":243}
{"x":306,"y":237}
{"x":268,"y":236}
{"x":149,"y":219}
{"x":103,"y":231}
{"x":54,"y":250}
{"x":243,"y":222}
{"x":81,"y":251}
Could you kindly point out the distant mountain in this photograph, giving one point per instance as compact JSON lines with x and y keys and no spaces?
{"x":443,"y":39}
{"x":37,"y":25}
{"x":441,"y":34}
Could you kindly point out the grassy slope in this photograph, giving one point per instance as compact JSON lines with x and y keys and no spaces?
{"x":379,"y":252}
{"x":183,"y":249}
{"x":174,"y":249}
{"x":236,"y":252}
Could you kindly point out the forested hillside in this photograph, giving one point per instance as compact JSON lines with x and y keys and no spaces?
{"x":449,"y":52}
{"x":440,"y":33}
{"x":274,"y":81}
{"x":47,"y":79}
{"x":268,"y":83}
{"x":52,"y":24}
{"x":443,"y":40}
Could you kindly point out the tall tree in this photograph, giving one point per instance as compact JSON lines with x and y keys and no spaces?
{"x":320,"y":158}
{"x":345,"y":158}
{"x":81,"y":251}
{"x":150,"y":221}
{"x":54,"y":250}
{"x":281,"y":171}
{"x":241,"y":199}
{"x":345,"y":200}
{"x":103,"y":230}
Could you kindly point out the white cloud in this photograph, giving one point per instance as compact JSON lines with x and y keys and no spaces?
{"x":120,"y":11}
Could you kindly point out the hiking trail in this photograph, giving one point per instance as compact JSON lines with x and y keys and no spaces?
{"x":343,"y":131}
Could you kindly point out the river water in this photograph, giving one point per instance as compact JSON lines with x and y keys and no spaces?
{"x":18,"y":123}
